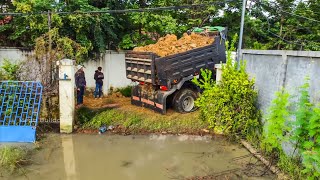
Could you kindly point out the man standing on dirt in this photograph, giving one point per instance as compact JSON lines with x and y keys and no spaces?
{"x":98,"y":76}
{"x":81,"y":84}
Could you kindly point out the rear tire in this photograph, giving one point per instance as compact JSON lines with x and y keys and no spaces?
{"x":184,"y":101}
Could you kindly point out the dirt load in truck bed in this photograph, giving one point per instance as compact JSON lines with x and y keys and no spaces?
{"x":169,"y":44}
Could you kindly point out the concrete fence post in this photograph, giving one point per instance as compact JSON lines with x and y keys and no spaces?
{"x":218,"y":72}
{"x":66,"y":94}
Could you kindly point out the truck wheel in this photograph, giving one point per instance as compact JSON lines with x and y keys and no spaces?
{"x":184,"y":101}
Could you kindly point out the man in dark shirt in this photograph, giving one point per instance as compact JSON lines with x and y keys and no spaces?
{"x":98,"y":76}
{"x":81,"y":84}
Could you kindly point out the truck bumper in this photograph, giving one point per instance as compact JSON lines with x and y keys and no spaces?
{"x":156,"y":101}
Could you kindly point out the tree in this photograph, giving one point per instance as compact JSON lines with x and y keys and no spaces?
{"x":268,"y":24}
{"x":93,"y":31}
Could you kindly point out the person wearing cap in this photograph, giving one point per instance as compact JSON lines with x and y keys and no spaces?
{"x":98,"y":76}
{"x":80,"y":81}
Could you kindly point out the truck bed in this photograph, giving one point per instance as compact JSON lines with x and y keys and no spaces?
{"x":150,"y":68}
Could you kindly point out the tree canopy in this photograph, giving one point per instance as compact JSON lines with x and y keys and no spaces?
{"x":279,"y":24}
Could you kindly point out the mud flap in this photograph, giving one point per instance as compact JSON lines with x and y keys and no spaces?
{"x":156,"y":101}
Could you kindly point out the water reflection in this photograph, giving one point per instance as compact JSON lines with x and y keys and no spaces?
{"x":69,"y":157}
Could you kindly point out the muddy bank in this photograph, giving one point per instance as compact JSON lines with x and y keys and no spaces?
{"x":45,"y":128}
{"x":121,"y":130}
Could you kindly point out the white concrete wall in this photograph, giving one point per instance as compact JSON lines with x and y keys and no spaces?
{"x":116,"y":70}
{"x":14,"y":55}
{"x":113,"y":68}
{"x":276,"y":69}
{"x":89,"y":70}
{"x":112,"y":63}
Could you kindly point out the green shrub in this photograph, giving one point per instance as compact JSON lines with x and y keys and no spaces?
{"x":290,"y":165}
{"x":125,"y":91}
{"x":10,"y":70}
{"x":2,"y":75}
{"x":307,"y":134}
{"x":85,"y":114}
{"x":275,"y":126}
{"x":276,"y":130}
{"x":303,"y":133}
{"x":229,"y":106}
{"x":11,"y":158}
{"x":303,"y":115}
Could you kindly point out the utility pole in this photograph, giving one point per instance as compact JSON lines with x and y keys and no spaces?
{"x":49,"y":66}
{"x":244,"y":3}
{"x":50,"y":47}
{"x":49,"y":29}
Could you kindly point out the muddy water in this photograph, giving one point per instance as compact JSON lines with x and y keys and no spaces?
{"x":155,"y":157}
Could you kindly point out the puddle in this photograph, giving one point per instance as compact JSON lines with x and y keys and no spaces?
{"x":156,"y":157}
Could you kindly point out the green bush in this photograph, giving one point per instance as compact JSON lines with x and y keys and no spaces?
{"x":84,"y":114}
{"x":11,"y":158}
{"x":311,"y":151}
{"x":126,"y":91}
{"x":9,"y":70}
{"x":303,"y":133}
{"x":306,"y":133}
{"x":2,"y":76}
{"x":229,"y":106}
{"x":276,"y":125}
{"x":303,"y":114}
{"x":275,"y":133}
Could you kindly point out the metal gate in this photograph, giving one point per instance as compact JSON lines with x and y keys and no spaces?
{"x":20,"y":110}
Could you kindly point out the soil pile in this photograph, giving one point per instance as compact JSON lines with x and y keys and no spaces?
{"x":170,"y":44}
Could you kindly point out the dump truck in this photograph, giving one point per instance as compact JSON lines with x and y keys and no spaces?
{"x":165,"y":82}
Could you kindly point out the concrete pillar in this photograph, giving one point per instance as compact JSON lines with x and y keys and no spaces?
{"x":66,"y":94}
{"x":218,"y":72}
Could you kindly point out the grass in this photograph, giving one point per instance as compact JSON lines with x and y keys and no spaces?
{"x":84,"y":114}
{"x":291,"y":166}
{"x":152,"y":122}
{"x":12,"y":158}
{"x":137,"y":119}
{"x":107,"y":117}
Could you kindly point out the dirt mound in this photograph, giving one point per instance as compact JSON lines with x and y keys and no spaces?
{"x":169,"y":44}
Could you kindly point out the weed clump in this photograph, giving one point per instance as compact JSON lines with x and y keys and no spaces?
{"x":12,"y":158}
{"x":301,"y":132}
{"x":125,"y":91}
{"x":85,"y":114}
{"x":105,"y":118}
